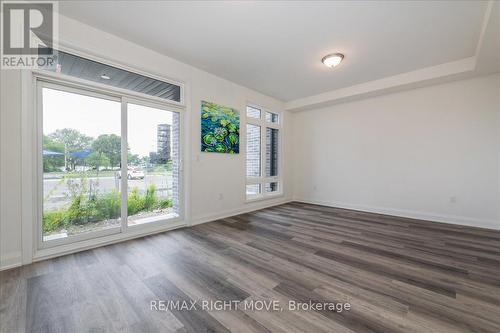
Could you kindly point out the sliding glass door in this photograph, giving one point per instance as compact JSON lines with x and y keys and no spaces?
{"x":107,"y":163}
{"x":152,"y":169}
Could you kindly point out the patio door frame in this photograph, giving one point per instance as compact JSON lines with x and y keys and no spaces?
{"x":32,"y":191}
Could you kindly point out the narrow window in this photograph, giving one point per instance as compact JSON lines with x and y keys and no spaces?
{"x":262,"y":153}
{"x":253,"y":151}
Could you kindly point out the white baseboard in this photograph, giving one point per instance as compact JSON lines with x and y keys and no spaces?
{"x":250,"y":207}
{"x":10,"y":260}
{"x":451,"y":219}
{"x":15,"y":259}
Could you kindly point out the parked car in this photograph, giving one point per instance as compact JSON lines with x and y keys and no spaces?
{"x":132,"y":173}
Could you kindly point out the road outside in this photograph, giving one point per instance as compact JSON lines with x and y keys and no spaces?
{"x":56,"y":191}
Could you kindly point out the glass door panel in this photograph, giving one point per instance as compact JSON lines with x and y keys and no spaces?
{"x":81,"y":151}
{"x":152,"y":168}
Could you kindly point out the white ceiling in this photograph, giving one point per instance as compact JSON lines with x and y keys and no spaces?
{"x":276,"y":47}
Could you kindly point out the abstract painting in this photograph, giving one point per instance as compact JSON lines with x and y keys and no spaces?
{"x":220,"y":129}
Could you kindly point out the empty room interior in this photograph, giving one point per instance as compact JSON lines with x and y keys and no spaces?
{"x":250,"y":166}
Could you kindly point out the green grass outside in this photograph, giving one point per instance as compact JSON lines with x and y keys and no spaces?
{"x":85,"y":209}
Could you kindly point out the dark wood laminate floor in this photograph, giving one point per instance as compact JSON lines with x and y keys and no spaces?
{"x":399,"y":275}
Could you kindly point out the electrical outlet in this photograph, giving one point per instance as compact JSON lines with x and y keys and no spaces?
{"x":453,"y":199}
{"x":221,"y":196}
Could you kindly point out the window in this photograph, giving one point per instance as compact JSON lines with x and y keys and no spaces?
{"x":271,"y":117}
{"x":109,"y":160}
{"x":253,"y":150}
{"x":262,"y":153}
{"x":271,"y":152}
{"x":271,"y":187}
{"x":253,"y":112}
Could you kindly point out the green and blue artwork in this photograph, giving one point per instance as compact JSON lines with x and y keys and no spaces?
{"x":220,"y":129}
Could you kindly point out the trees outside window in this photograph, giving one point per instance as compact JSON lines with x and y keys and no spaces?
{"x":83,"y":177}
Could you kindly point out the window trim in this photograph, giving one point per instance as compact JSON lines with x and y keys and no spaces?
{"x":263,"y":180}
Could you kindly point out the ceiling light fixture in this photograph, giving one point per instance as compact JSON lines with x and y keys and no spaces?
{"x":332,"y":60}
{"x":105,"y":77}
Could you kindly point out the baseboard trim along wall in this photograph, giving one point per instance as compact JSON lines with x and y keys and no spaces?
{"x":228,"y":213}
{"x":10,"y":260}
{"x":13,"y":260}
{"x":450,"y":219}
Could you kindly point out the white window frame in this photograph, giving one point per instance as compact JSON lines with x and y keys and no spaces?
{"x":34,"y":248}
{"x":263,"y":180}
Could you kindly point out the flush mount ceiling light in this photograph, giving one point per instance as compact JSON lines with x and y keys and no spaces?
{"x":332,"y":60}
{"x":105,"y":77}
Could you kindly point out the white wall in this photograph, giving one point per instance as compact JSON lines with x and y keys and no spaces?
{"x":10,"y":167}
{"x":430,"y":153}
{"x":209,"y":174}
